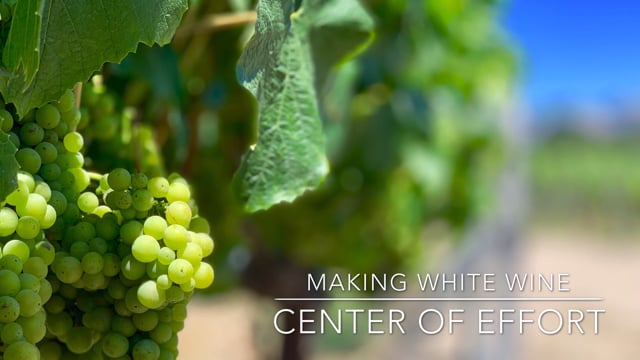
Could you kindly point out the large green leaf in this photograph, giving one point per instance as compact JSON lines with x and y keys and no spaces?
{"x":65,"y":41}
{"x":278,"y":67}
{"x":8,"y":166}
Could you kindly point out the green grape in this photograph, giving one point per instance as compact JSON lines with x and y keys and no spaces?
{"x":145,"y":248}
{"x":92,"y":263}
{"x":180,"y":271}
{"x":155,"y":226}
{"x":27,"y":178}
{"x":30,"y":302}
{"x":17,"y":248}
{"x":131,"y":268}
{"x":45,"y":291}
{"x":119,"y":199}
{"x":21,"y":350}
{"x":36,"y":266}
{"x":139,"y":181}
{"x":176,"y":237}
{"x":87,"y":202}
{"x":31,"y":134}
{"x":35,"y":206}
{"x":49,"y":218}
{"x":178,"y":192}
{"x":161,"y":333}
{"x":8,"y":221}
{"x":107,"y":228}
{"x":11,"y":333}
{"x":71,"y":213}
{"x":84,"y":231}
{"x":44,"y":250}
{"x":29,"y":160}
{"x":79,"y":340}
{"x":205,"y":242}
{"x":79,"y":249}
{"x":115,"y":345}
{"x":116,"y":289}
{"x":164,"y":355}
{"x":199,"y":225}
{"x":47,"y":151}
{"x":6,"y":120}
{"x":34,"y":327}
{"x":51,"y":137}
{"x":123,"y":325}
{"x":29,"y":282}
{"x":179,"y":212}
{"x":119,"y":179}
{"x":155,"y":269}
{"x":43,"y":189}
{"x":142,"y":200}
{"x":82,"y":179}
{"x":192,"y":253}
{"x":179,"y":312}
{"x":94,"y":281}
{"x":10,"y":283}
{"x":188,"y":286}
{"x":48,"y":116}
{"x":132,"y":302}
{"x":145,"y":321}
{"x":158,"y":187}
{"x":15,"y":139}
{"x":58,"y":323}
{"x":73,"y":142}
{"x":203,"y":276}
{"x":72,"y":118}
{"x":166,"y":255}
{"x":146,"y":349}
{"x":98,"y":245}
{"x":9,"y":309}
{"x":75,"y":160}
{"x":51,"y":172}
{"x":12,"y":263}
{"x":68,"y":269}
{"x":130,"y":231}
{"x":66,"y":101}
{"x":19,"y":195}
{"x":111,"y":265}
{"x":174,"y":294}
{"x":98,"y":319}
{"x":50,"y":350}
{"x":28,"y":227}
{"x":163,"y":282}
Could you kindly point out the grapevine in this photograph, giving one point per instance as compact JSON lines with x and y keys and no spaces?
{"x":92,"y":265}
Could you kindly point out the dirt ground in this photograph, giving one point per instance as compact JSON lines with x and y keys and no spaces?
{"x":238,"y":326}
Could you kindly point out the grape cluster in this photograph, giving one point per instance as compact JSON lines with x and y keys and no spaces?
{"x":93,"y":266}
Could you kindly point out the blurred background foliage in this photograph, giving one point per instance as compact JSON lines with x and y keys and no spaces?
{"x":413,"y":130}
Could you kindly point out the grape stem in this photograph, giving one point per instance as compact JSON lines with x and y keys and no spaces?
{"x":77,"y":92}
{"x":217,"y":22}
{"x":94,"y":176}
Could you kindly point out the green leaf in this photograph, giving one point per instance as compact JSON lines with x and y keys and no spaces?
{"x":8,"y":166}
{"x":277,"y":66}
{"x":341,"y":30}
{"x":74,"y":38}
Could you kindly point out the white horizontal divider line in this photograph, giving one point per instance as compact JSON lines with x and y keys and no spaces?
{"x":523,"y":299}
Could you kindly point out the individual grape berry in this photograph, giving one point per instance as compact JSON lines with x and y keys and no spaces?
{"x":87,"y":202}
{"x":119,"y":179}
{"x":178,"y":191}
{"x":48,"y":116}
{"x":66,"y":101}
{"x":9,"y":309}
{"x":73,"y":142}
{"x":29,"y":160}
{"x":158,"y":186}
{"x":146,"y":349}
{"x":180,"y":271}
{"x":145,"y":248}
{"x":31,"y":134}
{"x":21,"y":350}
{"x":8,"y":221}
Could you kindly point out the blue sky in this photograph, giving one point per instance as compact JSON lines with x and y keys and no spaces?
{"x":577,"y":50}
